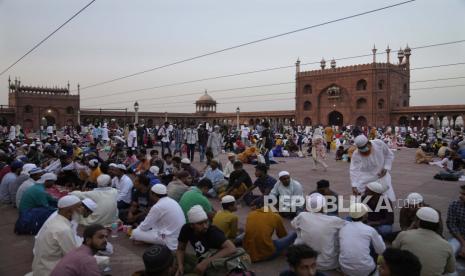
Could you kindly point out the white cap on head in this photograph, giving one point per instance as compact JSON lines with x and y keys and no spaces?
{"x":121,"y":167}
{"x":93,"y":162}
{"x":90,"y":204}
{"x":283,"y":173}
{"x":377,"y":187}
{"x":357,"y":210}
{"x":361,"y":141}
{"x":48,"y":176}
{"x":154,"y":169}
{"x":422,"y":145}
{"x":428,"y":214}
{"x":414,"y":198}
{"x":227,"y":199}
{"x":186,"y":161}
{"x":103,"y":180}
{"x":196,"y":214}
{"x":27,"y":167}
{"x":67,"y":201}
{"x":112,"y":165}
{"x":317,"y":201}
{"x":159,"y":189}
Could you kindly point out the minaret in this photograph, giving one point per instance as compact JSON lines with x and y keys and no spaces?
{"x":323,"y":63}
{"x":333,"y":63}
{"x":387,"y":54}
{"x":79,"y":88}
{"x":297,"y":66}
{"x":400,"y":55}
{"x":374,"y":53}
{"x":407,"y":53}
{"x":68,"y":86}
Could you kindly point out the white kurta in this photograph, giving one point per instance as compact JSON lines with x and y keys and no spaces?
{"x":320,"y":232}
{"x":124,"y":187}
{"x":106,"y":212}
{"x":55,"y":239}
{"x":162,"y":224}
{"x":365,"y":169}
{"x":215,"y":142}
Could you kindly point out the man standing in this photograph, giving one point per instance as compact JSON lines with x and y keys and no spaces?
{"x":164,"y":132}
{"x":215,"y":142}
{"x":245,"y":134}
{"x":178,"y":134}
{"x":191,"y":137}
{"x":163,"y":222}
{"x":355,"y":240}
{"x":435,"y":254}
{"x":320,"y":232}
{"x":203,"y":140}
{"x":372,"y":161}
{"x":57,"y":237}
{"x":81,"y":261}
{"x":267,"y":140}
{"x":132,"y":137}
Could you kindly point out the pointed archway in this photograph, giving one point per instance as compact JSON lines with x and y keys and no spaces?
{"x":335,"y":118}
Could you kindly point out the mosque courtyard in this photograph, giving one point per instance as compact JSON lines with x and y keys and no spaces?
{"x":16,"y":251}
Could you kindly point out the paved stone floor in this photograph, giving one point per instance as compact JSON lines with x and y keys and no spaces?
{"x":16,"y":251}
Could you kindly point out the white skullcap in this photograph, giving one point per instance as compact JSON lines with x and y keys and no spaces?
{"x":361,"y":141}
{"x":317,"y":202}
{"x":283,"y":173}
{"x":227,"y":199}
{"x":112,"y":165}
{"x":67,"y":201}
{"x":428,"y":214}
{"x":121,"y":167}
{"x":196,"y":214}
{"x":89,"y":203}
{"x":27,"y":167}
{"x":24,"y":146}
{"x":414,"y":198}
{"x":422,"y":145}
{"x":103,"y":180}
{"x":186,"y":161}
{"x":93,"y":162}
{"x":48,"y":176}
{"x":357,"y":210}
{"x":159,"y":189}
{"x":377,"y":187}
{"x":154,"y":169}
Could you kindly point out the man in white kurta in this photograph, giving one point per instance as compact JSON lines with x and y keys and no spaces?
{"x":215,"y":142}
{"x":56,"y":237}
{"x":371,"y":162}
{"x":164,"y":221}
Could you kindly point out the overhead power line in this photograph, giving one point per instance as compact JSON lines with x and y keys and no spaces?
{"x":258,"y":71}
{"x":47,"y":37}
{"x":247,"y":44}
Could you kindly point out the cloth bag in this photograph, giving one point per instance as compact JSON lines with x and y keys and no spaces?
{"x":222,"y":266}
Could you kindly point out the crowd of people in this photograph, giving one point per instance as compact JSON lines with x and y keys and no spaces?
{"x":142,"y":180}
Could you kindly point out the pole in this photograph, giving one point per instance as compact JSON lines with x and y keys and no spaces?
{"x":237,"y":121}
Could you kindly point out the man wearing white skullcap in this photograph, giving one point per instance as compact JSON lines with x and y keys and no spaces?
{"x":163,"y":222}
{"x":95,"y":171}
{"x":421,"y":157}
{"x":287,"y":188}
{"x":34,"y":175}
{"x":203,"y":237}
{"x":123,"y":184}
{"x":225,"y":219}
{"x":319,"y":231}
{"x":23,"y":176}
{"x":152,"y":174}
{"x":105,"y":198}
{"x":434,"y":252}
{"x":356,"y":239}
{"x":382,"y":217}
{"x":56,"y":237}
{"x":371,"y":161}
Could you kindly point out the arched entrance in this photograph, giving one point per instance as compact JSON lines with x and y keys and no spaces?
{"x":335,"y":118}
{"x":50,"y":120}
{"x":361,"y":121}
{"x":307,"y":121}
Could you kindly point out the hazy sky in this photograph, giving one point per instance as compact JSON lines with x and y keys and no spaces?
{"x":113,"y":38}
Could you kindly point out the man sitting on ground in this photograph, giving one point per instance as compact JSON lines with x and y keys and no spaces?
{"x":179,"y":185}
{"x":322,"y":187}
{"x":284,"y":190}
{"x":158,"y":260}
{"x":302,"y":261}
{"x":239,"y":181}
{"x":420,"y":155}
{"x":456,"y":223}
{"x":196,"y":196}
{"x":382,"y":219}
{"x":264,"y":182}
{"x":225,"y":219}
{"x":216,"y":177}
{"x":396,"y":262}
{"x":81,"y":260}
{"x":203,"y":237}
{"x":140,"y":202}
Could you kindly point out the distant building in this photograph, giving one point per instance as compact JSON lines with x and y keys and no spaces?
{"x":374,"y":94}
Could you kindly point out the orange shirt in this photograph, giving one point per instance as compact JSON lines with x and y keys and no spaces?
{"x":259,"y":229}
{"x":143,"y":166}
{"x":94,"y":174}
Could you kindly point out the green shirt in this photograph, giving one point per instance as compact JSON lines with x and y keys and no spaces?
{"x":34,"y":197}
{"x":194,"y":197}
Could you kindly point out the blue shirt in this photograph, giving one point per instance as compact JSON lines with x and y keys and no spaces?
{"x":215,"y":176}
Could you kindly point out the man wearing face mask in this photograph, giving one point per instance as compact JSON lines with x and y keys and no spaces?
{"x":56,"y":237}
{"x":371,"y":161}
